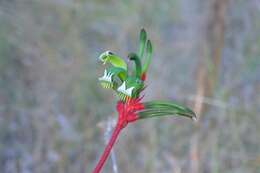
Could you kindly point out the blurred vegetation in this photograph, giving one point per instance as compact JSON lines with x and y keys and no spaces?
{"x":51,"y":102}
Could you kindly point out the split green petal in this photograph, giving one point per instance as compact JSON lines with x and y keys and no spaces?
{"x":163,"y":108}
{"x":118,"y":62}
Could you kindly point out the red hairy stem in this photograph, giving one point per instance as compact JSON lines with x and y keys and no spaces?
{"x":108,"y":148}
{"x":126,"y":114}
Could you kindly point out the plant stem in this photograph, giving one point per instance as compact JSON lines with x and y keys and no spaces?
{"x":108,"y":148}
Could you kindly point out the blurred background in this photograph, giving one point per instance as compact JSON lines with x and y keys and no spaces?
{"x":53,"y":111}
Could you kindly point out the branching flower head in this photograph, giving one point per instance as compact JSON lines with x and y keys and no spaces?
{"x":129,"y":84}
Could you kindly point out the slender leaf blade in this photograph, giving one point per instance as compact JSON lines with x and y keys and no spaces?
{"x":164,"y":108}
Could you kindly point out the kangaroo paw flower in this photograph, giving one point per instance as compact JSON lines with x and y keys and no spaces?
{"x":128,"y":87}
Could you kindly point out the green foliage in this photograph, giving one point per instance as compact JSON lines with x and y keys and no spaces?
{"x":163,"y":108}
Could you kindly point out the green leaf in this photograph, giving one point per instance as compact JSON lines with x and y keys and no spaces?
{"x":149,"y":50}
{"x":142,"y":42}
{"x":163,"y":108}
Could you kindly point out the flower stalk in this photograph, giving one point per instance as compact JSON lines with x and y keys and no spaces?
{"x":108,"y":148}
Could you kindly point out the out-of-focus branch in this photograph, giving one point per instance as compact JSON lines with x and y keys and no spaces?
{"x":208,"y":67}
{"x":211,"y":50}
